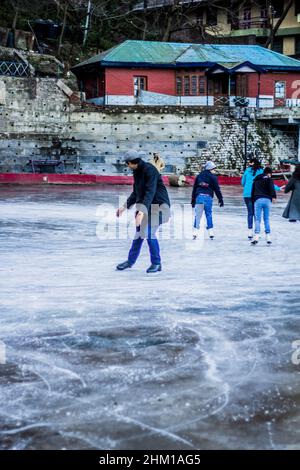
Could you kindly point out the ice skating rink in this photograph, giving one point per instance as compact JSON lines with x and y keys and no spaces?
{"x":200,"y":356}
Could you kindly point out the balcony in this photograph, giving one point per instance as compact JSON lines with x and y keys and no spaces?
{"x":252,"y":23}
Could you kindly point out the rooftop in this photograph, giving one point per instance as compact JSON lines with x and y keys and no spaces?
{"x":174,"y":54}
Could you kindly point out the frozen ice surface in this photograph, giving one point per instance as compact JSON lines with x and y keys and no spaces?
{"x":198,"y":356}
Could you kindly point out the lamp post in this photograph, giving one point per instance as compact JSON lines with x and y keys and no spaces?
{"x":245,"y":122}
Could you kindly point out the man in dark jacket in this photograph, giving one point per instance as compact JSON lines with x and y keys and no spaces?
{"x":205,"y":186}
{"x":152,"y":209}
{"x":263,"y":193}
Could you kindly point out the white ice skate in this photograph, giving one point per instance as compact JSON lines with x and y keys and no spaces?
{"x":211,"y":233}
{"x":268,"y":239}
{"x":255,"y":239}
{"x":195,"y":233}
{"x":250,"y":234}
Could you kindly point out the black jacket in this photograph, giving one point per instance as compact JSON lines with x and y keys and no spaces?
{"x":263,"y":187}
{"x":206,"y":183}
{"x":148,"y":187}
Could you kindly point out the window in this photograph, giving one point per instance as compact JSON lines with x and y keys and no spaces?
{"x":264,"y":18}
{"x":187,"y":85}
{"x":280,"y":89}
{"x":212,"y":17}
{"x":179,"y":85}
{"x":194,"y":87}
{"x":264,"y":13}
{"x":202,"y":86}
{"x":278,"y":44}
{"x":297,"y":7}
{"x":191,"y":85}
{"x":247,"y":13}
{"x":139,"y":83}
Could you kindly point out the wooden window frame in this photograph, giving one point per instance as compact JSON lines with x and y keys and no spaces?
{"x":191,"y":84}
{"x":137,"y":86}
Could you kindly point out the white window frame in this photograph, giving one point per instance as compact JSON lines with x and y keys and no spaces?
{"x":279,"y":89}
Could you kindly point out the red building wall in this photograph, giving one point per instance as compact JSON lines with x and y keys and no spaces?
{"x":120,"y":81}
{"x":267,"y":83}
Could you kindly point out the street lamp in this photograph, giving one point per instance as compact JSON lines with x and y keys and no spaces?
{"x":245,"y":122}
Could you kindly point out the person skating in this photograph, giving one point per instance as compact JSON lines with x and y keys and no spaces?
{"x":254,"y":169}
{"x":158,"y":162}
{"x":205,"y":186}
{"x":292,"y":210}
{"x":263,"y":193}
{"x":152,"y":209}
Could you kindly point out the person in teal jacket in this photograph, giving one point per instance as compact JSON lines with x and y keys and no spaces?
{"x":254,"y":169}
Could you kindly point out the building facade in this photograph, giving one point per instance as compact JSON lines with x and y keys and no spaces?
{"x":234,"y":21}
{"x":153,"y":73}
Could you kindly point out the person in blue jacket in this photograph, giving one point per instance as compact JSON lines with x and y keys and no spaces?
{"x":254,"y":169}
{"x":205,"y":186}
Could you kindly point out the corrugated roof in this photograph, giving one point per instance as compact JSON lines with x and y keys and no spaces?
{"x":175,"y":54}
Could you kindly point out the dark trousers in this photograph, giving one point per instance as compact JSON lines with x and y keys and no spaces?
{"x":152,"y":244}
{"x":148,"y":231}
{"x":250,"y":210}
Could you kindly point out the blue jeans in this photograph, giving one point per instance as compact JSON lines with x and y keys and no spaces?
{"x":206,"y":201}
{"x":148,"y":230}
{"x":262,"y":205}
{"x":250,"y":210}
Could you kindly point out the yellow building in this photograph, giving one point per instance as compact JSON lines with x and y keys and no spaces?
{"x":231,"y":21}
{"x":253,"y":21}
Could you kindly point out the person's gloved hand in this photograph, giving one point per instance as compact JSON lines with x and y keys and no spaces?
{"x":221,"y":203}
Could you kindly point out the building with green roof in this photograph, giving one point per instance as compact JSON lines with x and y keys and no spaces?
{"x":148,"y":72}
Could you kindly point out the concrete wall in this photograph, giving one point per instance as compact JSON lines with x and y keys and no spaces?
{"x":38,"y":121}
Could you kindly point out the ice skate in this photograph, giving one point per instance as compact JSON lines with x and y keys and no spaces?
{"x":268,"y":239}
{"x":255,"y":239}
{"x":123,"y":266}
{"x":195,"y":233}
{"x":154,"y":268}
{"x":250,"y":234}
{"x":211,"y":233}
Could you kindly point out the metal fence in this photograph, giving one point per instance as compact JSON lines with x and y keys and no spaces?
{"x":14,"y":69}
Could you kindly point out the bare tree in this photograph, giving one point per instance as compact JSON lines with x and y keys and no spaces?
{"x":273,"y":30}
{"x":63,"y":27}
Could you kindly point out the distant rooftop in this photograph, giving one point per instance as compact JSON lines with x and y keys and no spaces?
{"x":174,"y":54}
{"x":152,"y":4}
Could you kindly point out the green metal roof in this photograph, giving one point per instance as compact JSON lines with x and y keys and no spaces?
{"x":150,"y":53}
